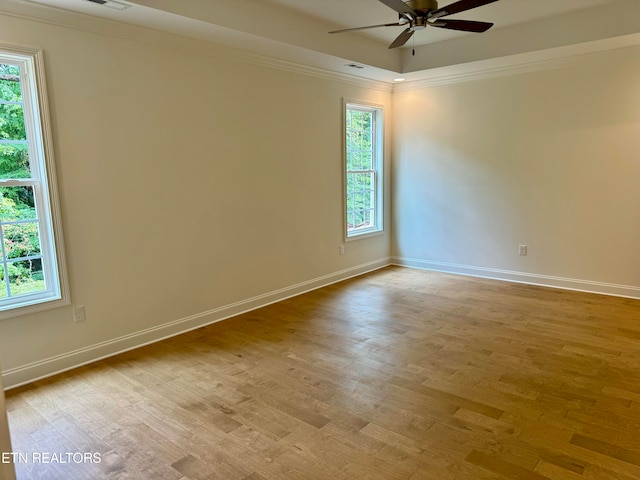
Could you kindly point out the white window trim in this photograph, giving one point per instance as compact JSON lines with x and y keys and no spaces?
{"x":32,"y":58}
{"x":379,"y":157}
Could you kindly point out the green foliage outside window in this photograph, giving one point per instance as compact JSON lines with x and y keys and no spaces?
{"x":21,"y":269}
{"x":14,"y":155}
{"x":361,"y":176}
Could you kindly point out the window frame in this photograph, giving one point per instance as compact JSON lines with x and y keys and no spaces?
{"x":43,"y":180}
{"x":378,"y":170}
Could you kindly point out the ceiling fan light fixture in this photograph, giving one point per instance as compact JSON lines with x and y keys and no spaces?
{"x":419,"y":23}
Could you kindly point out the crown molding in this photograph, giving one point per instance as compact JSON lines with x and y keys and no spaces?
{"x":619,"y":48}
{"x":87,"y":23}
{"x":627,"y":46}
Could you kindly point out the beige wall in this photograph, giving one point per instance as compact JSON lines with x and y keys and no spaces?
{"x":547,"y":159}
{"x":189,"y":181}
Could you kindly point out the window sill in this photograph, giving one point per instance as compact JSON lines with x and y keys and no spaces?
{"x":359,"y":236}
{"x":33,"y":307}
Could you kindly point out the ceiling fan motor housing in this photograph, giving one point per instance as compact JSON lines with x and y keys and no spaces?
{"x":422,"y":6}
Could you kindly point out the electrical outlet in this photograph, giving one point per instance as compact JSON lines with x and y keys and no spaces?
{"x":79,"y":314}
{"x":522,"y":250}
{"x":341,"y":249}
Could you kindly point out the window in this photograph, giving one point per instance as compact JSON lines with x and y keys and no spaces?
{"x":30,"y":272}
{"x":363,"y":169}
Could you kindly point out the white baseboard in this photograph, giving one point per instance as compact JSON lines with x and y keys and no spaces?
{"x":25,"y":374}
{"x":47,"y":367}
{"x":522,"y":277}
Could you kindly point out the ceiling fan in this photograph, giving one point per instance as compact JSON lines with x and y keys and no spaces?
{"x":420,"y":14}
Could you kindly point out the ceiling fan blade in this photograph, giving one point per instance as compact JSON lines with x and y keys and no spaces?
{"x":464,"y":25}
{"x":399,"y":6}
{"x":402,"y":39}
{"x":369,"y":26}
{"x":458,"y":7}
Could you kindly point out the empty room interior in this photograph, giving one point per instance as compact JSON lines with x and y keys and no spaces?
{"x":210,"y":298}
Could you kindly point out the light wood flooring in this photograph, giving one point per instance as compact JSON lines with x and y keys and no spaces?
{"x":399,"y":374}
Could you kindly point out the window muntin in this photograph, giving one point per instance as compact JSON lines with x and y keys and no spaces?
{"x":363,"y":170}
{"x":30,"y":267}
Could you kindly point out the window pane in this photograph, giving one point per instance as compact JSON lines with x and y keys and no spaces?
{"x":14,"y":160}
{"x":26,"y":277}
{"x":360,"y":182}
{"x":10,"y":90}
{"x":361,"y":219}
{"x":359,"y":140}
{"x":14,"y":155}
{"x":359,"y":159}
{"x":21,"y":240}
{"x":360,"y":199}
{"x":12,"y":122}
{"x":17,"y":203}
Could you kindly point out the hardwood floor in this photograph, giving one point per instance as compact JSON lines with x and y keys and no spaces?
{"x":399,"y":374}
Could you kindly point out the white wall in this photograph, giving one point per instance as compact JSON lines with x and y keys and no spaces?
{"x":547,"y":159}
{"x":189,"y":182}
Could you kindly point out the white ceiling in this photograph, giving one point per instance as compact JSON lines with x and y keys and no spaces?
{"x":356,"y":13}
{"x":297,"y":30}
